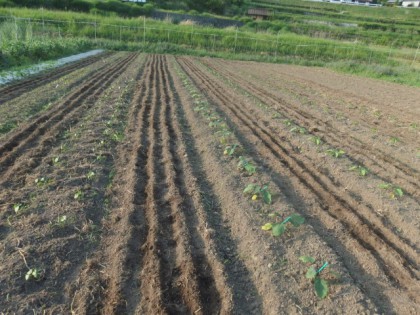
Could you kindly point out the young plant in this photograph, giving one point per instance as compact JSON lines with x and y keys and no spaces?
{"x":258,"y":191}
{"x":316,"y":140}
{"x":288,"y":122}
{"x":42,"y":181}
{"x":279,"y":228}
{"x":78,"y":195}
{"x":232,"y":149}
{"x":55,"y":160}
{"x":320,"y":283}
{"x":363,"y":171}
{"x":297,"y":129}
{"x":337,"y":153}
{"x":18,"y":207}
{"x":90,"y":175}
{"x":394,"y":140}
{"x":395,"y":191}
{"x":246,"y":166}
{"x":33,"y":274}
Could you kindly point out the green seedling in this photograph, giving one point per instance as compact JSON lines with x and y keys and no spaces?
{"x":414,"y":125}
{"x":55,"y":160}
{"x":117,"y":137}
{"x":297,"y":129}
{"x":258,"y":191}
{"x":395,"y":191}
{"x":394,"y":140}
{"x":18,"y":207}
{"x":363,"y":171}
{"x":320,"y":284}
{"x":246,"y":166}
{"x":78,"y":195}
{"x":42,"y":181}
{"x":288,"y":122}
{"x":337,"y":153}
{"x":316,"y":140}
{"x":232,"y":149}
{"x":33,"y":274}
{"x":90,"y":175}
{"x":278,"y":229}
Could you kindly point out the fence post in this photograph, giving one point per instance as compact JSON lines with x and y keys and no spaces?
{"x":415,"y":55}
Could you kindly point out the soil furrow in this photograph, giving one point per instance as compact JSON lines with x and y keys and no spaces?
{"x":203,"y":289}
{"x":43,"y":136}
{"x":14,"y":90}
{"x":394,"y":262}
{"x":331,"y":134}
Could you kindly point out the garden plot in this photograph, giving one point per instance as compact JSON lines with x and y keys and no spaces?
{"x":159,"y":184}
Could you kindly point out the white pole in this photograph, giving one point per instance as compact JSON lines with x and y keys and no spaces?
{"x":415,"y":55}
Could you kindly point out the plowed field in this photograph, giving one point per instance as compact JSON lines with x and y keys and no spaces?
{"x":122,"y":189}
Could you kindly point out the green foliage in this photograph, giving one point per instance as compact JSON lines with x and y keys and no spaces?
{"x":259,"y":190}
{"x":337,"y":153}
{"x":245,"y":166}
{"x":363,"y":171}
{"x":316,"y":140}
{"x":320,"y":284}
{"x":279,"y":228}
{"x":394,"y":191}
{"x":33,"y":274}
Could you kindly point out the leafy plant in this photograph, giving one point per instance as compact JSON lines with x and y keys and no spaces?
{"x":90,"y":175}
{"x":288,"y":122}
{"x":363,"y":171}
{"x":297,"y":129}
{"x":395,"y":191}
{"x":245,"y":165}
{"x":337,"y":153}
{"x":78,"y":195}
{"x":316,"y":140}
{"x":42,"y":181}
{"x":394,"y":140}
{"x":278,"y":229}
{"x":55,"y":160}
{"x":33,"y":274}
{"x":232,"y":149}
{"x":321,"y":285}
{"x":18,"y":207}
{"x":257,"y":190}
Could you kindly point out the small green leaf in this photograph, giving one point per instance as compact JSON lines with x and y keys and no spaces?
{"x":321,"y":287}
{"x":384,"y":186}
{"x":251,"y":169}
{"x":297,"y":220}
{"x":311,"y":273}
{"x":266,"y":196}
{"x":267,"y":227}
{"x":398,"y":192}
{"x":307,"y":259}
{"x":249,"y":189}
{"x":279,"y":229}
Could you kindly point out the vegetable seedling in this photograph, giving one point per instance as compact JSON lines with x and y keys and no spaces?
{"x":321,"y":286}
{"x":232,"y":149}
{"x":337,"y":153}
{"x":33,"y":274}
{"x":316,"y":140}
{"x":245,"y":165}
{"x":363,"y":171}
{"x":256,"y":190}
{"x":297,"y":129}
{"x":395,"y":191}
{"x":278,"y":229}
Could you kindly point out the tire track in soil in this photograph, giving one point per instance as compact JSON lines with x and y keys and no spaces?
{"x":14,"y":90}
{"x":44,"y":132}
{"x":331,"y":134}
{"x":395,"y":263}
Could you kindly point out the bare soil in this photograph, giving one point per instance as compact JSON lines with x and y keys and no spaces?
{"x":119,"y":195}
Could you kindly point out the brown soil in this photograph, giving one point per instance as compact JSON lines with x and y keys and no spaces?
{"x":119,"y":195}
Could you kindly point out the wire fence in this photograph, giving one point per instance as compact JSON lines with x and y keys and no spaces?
{"x":215,"y":40}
